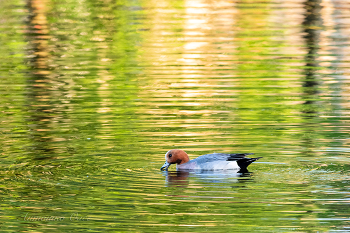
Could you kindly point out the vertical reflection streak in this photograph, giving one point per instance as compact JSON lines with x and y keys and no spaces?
{"x":311,"y":24}
{"x":39,"y":84}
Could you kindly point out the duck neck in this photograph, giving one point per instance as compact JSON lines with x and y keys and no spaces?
{"x":183,"y":159}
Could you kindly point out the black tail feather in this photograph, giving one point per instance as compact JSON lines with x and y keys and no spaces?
{"x":245,"y":162}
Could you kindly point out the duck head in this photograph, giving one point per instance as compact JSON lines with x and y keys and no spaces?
{"x":174,"y":156}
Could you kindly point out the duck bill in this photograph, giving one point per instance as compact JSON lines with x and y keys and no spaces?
{"x":165,"y":166}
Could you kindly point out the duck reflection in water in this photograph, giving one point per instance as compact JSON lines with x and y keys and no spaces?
{"x":182,"y":178}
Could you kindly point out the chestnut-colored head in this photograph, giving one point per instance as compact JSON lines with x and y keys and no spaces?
{"x":175,"y":156}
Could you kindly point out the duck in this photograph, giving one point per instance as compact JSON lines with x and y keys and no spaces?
{"x":208,"y":162}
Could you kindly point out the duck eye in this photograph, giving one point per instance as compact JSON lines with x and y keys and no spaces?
{"x":170,"y":155}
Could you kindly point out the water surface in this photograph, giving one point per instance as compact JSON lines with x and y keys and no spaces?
{"x":94,"y":93}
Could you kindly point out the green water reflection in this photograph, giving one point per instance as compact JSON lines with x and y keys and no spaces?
{"x":93,"y":93}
